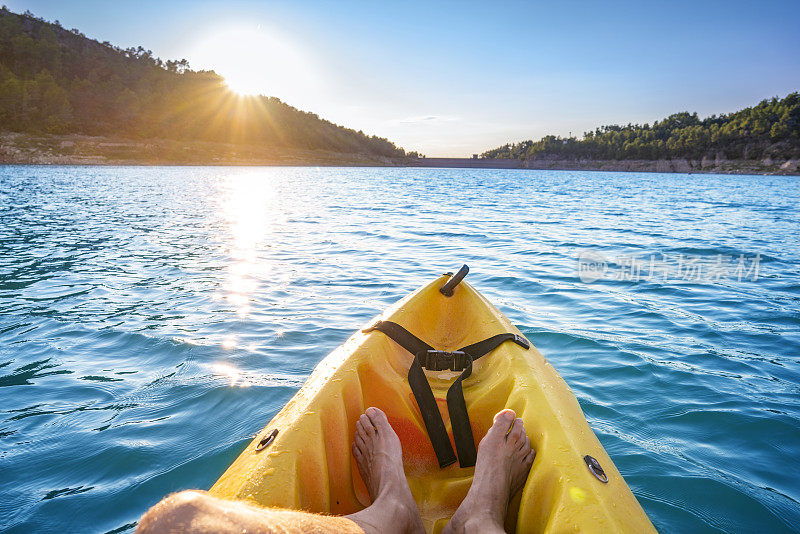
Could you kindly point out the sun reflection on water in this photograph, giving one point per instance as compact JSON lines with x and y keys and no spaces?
{"x":249,"y":210}
{"x":245,"y":379}
{"x":229,"y":342}
{"x":247,"y":202}
{"x":233,"y":375}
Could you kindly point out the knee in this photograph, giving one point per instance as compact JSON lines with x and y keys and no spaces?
{"x":179,"y":512}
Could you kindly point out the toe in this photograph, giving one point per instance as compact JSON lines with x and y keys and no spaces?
{"x":506,"y":417}
{"x":377,"y":418}
{"x":503,"y":421}
{"x":521,"y":453}
{"x":516,"y":435}
{"x":360,"y":443}
{"x":499,"y":429}
{"x":519,"y":425}
{"x":366,"y":425}
{"x":374,"y":413}
{"x":360,"y":430}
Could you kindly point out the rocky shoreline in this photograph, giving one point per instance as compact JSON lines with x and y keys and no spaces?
{"x":26,"y":149}
{"x":686,"y":166}
{"x":17,"y":148}
{"x":705,"y":165}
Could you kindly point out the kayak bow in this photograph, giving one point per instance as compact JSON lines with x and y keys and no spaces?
{"x":302,"y":459}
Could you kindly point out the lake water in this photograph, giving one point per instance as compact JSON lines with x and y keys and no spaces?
{"x":153,"y":319}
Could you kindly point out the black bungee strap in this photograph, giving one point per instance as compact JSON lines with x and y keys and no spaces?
{"x":436,"y":360}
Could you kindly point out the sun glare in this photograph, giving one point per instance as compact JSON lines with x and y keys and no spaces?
{"x":256,"y":61}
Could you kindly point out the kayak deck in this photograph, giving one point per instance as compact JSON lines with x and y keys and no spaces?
{"x":309,"y":465}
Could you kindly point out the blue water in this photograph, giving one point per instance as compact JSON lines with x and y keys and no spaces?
{"x":153,"y":319}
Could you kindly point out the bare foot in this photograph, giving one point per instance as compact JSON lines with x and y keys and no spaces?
{"x":504,"y":459}
{"x":379,"y":457}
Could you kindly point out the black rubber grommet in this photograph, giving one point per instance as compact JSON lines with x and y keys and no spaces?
{"x":267,"y":440}
{"x":596,"y":469}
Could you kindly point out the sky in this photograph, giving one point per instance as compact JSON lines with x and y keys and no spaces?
{"x":455,"y":78}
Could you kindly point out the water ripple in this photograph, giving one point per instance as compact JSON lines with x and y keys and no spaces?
{"x":153,"y":319}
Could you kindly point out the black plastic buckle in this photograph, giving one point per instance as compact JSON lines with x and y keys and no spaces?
{"x":440,"y":360}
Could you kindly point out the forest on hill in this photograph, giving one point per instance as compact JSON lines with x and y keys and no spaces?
{"x":58,"y":81}
{"x":770,"y":129}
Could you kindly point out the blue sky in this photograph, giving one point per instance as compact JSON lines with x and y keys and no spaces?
{"x":454,"y":78}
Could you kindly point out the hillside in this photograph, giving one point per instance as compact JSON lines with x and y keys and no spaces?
{"x":768,"y":131}
{"x":55,"y":81}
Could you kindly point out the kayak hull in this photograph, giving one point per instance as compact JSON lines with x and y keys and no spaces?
{"x":309,"y":465}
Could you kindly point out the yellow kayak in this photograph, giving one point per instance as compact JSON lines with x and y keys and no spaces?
{"x":302,"y":459}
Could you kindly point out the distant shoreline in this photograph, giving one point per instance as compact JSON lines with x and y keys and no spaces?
{"x":74,"y":149}
{"x":685,"y":166}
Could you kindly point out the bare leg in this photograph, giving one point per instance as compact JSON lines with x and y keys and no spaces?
{"x":504,"y":459}
{"x":199,"y":512}
{"x":379,"y":457}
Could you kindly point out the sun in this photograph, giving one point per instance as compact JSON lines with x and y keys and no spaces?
{"x":255,"y":61}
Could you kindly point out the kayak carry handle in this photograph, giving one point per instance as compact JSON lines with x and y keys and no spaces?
{"x":447,"y":289}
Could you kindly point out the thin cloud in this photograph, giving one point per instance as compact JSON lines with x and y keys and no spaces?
{"x":426,"y":119}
